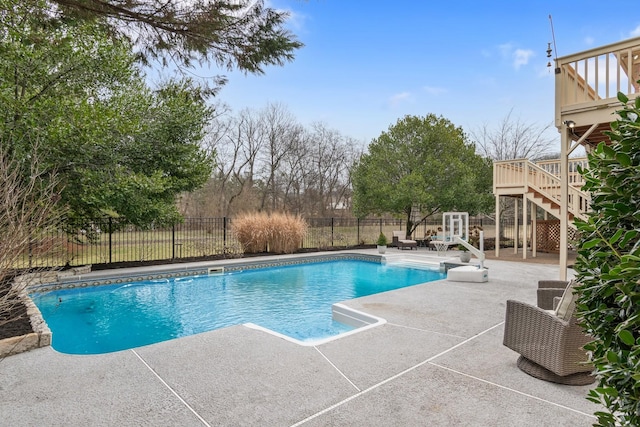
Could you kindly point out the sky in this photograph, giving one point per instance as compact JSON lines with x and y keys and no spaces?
{"x":365,"y":65}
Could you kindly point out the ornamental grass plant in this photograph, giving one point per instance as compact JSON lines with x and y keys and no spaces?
{"x":275,"y":233}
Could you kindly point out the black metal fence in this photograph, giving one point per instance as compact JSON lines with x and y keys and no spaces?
{"x":108,"y":242}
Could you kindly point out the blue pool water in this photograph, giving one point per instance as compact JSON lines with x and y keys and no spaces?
{"x":292,"y":300}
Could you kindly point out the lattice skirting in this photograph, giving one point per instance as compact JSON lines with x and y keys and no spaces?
{"x":548,"y":236}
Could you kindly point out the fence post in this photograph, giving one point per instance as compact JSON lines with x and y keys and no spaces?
{"x":357,"y":231}
{"x":30,"y":255}
{"x":224,"y":231}
{"x":173,"y":241}
{"x":110,"y":240}
{"x":331,"y":231}
{"x":381,"y":225}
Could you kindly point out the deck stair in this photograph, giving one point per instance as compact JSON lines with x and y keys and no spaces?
{"x":540,"y":184}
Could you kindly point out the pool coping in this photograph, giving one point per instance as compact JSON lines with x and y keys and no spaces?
{"x":167,"y":271}
{"x":360,"y":320}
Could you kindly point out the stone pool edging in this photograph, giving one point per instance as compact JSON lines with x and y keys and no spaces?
{"x":41,"y":335}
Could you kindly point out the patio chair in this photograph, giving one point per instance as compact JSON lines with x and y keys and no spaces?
{"x":548,"y":290}
{"x":400,"y":240}
{"x":550,"y":342}
{"x":426,"y":242}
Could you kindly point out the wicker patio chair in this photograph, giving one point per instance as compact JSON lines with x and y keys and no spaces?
{"x":550,"y":342}
{"x":400,"y":241}
{"x":548,"y":290}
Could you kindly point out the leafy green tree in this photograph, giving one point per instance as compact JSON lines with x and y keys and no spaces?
{"x":608,"y":268}
{"x":425,"y":164}
{"x":242,"y":34}
{"x":118,"y":147}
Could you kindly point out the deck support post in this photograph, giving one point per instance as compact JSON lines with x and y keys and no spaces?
{"x":564,"y":199}
{"x":516,"y":231}
{"x":497,"y":237}
{"x":534,"y":231}
{"x":525,"y":228}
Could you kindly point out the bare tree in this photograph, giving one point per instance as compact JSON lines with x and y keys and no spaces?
{"x":331,"y":156}
{"x":280,"y":130}
{"x":295,"y":172}
{"x":514,"y":139}
{"x":237,"y":141}
{"x":248,"y":142}
{"x":28,"y":199}
{"x":266,"y":160}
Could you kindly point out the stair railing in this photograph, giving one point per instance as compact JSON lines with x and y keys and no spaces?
{"x":531,"y":177}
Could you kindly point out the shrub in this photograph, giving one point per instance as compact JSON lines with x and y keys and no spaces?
{"x":382,"y":240}
{"x":277,"y":233}
{"x":608,"y":267}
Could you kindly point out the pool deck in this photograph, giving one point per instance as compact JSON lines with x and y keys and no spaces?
{"x":438,"y":361}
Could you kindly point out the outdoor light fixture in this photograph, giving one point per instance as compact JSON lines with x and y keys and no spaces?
{"x":570,"y":124}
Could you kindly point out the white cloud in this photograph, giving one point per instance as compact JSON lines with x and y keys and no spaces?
{"x":635,"y":32}
{"x":434,"y":90}
{"x":589,"y":41}
{"x":521,"y":57}
{"x":399,"y":98}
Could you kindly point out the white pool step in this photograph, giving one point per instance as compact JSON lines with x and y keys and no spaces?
{"x":412,"y":263}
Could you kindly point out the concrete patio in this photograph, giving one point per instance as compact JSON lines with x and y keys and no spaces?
{"x":438,"y":361}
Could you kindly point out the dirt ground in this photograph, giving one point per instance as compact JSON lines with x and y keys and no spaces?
{"x":507,"y":254}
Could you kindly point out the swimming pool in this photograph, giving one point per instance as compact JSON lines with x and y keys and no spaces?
{"x":294,"y":301}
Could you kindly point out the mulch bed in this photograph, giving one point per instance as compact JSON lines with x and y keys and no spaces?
{"x":21,"y":324}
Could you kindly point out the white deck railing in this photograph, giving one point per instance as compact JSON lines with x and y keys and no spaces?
{"x":553,"y":167}
{"x":543,"y":178}
{"x":593,"y":78}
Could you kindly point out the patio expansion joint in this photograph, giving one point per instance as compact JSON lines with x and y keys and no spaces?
{"x":425,"y":330}
{"x":337,"y":369}
{"x":512,"y":390}
{"x":175,"y":393}
{"x":394,"y":377}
